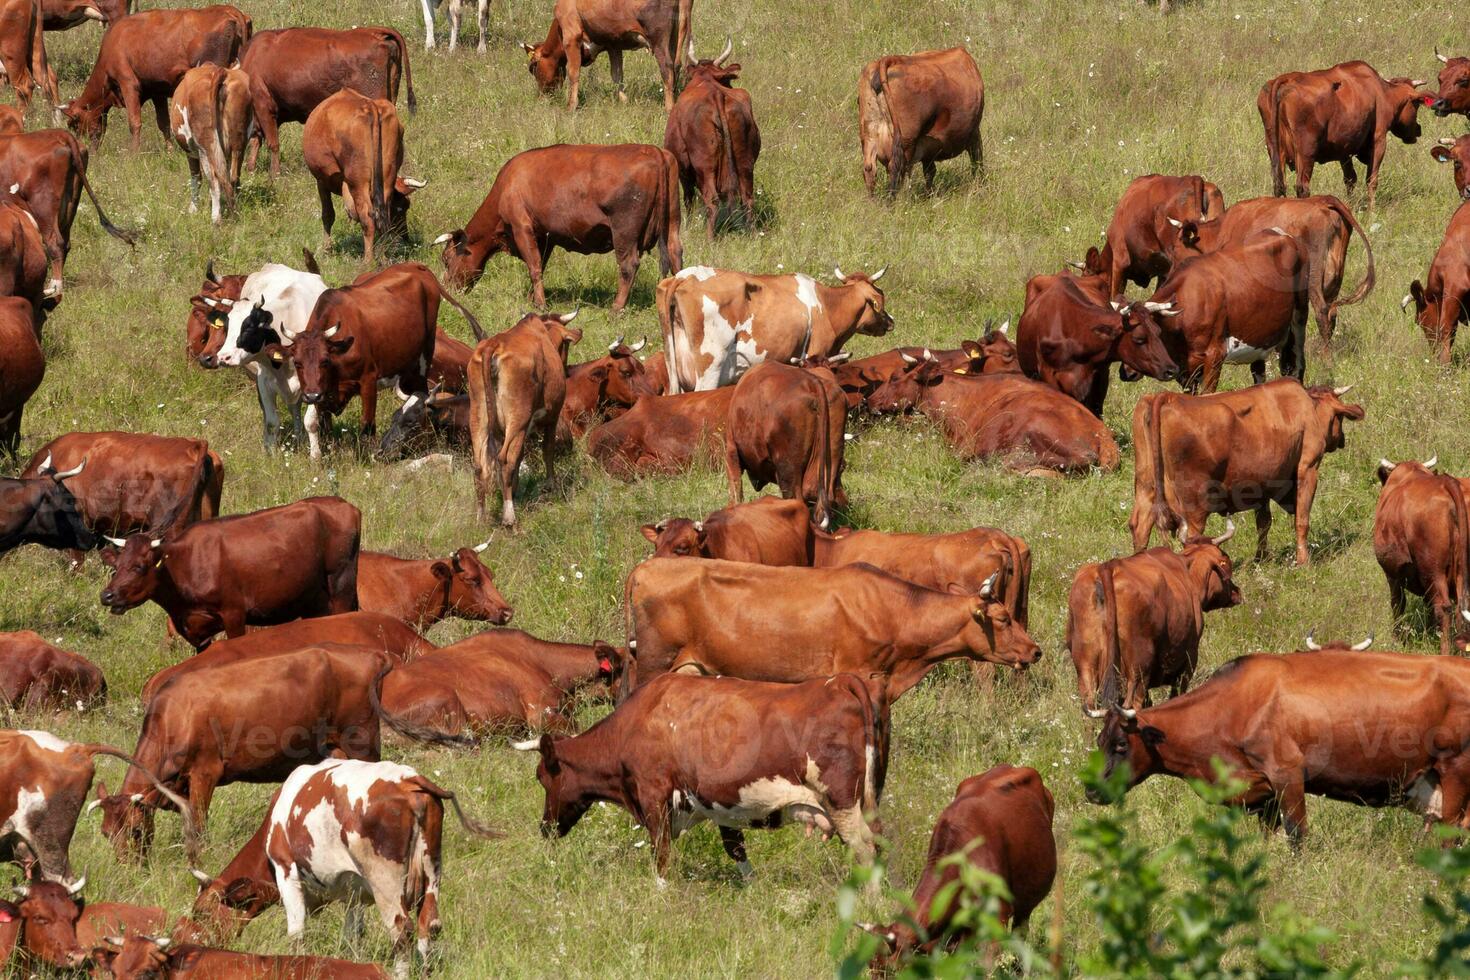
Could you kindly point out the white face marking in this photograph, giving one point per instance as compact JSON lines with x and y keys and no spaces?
{"x":733,"y":355}
{"x":697,"y":272}
{"x":806,"y":291}
{"x":46,"y":741}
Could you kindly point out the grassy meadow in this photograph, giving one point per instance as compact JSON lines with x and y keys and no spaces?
{"x":1081,"y":98}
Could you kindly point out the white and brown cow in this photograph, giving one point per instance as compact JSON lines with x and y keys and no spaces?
{"x":344,"y":829}
{"x":718,"y":324}
{"x":211,"y":119}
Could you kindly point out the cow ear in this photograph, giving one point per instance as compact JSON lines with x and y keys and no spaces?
{"x":108,"y":556}
{"x":971,"y":349}
{"x":547,"y":748}
{"x":1441,"y":154}
{"x":442,"y":571}
{"x":574,"y":335}
{"x":344,"y":345}
{"x":1150,"y":735}
{"x":650,"y":531}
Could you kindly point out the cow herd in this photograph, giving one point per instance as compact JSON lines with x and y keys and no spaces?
{"x":765,"y":643}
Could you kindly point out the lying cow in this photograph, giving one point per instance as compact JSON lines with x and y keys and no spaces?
{"x":664,"y":434}
{"x":764,"y":531}
{"x":919,"y":108}
{"x":696,"y":617}
{"x":1457,"y":152}
{"x":718,"y":324}
{"x":425,"y":419}
{"x":422,"y":592}
{"x":712,"y":133}
{"x":601,"y":388}
{"x":1135,"y":623}
{"x":22,"y":366}
{"x":211,"y":119}
{"x":739,"y":753}
{"x":140,"y":957}
{"x":1157,"y":222}
{"x":41,"y":510}
{"x":259,"y":569}
{"x":1454,"y":87}
{"x":1421,"y":537}
{"x":580,"y":29}
{"x":23,"y":61}
{"x":36,"y":675}
{"x":60,"y":928}
{"x":993,"y":353}
{"x":1289,"y":724}
{"x":593,"y":199}
{"x":1442,"y":301}
{"x":1245,"y":449}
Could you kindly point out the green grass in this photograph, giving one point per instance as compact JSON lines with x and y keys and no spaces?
{"x":1081,"y":98}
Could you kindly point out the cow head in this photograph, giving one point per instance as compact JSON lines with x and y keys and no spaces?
{"x":416,"y":423}
{"x":1127,"y":739}
{"x":547,"y":61}
{"x":561,"y":335}
{"x":209,"y":315}
{"x":225,"y":904}
{"x":134,"y":957}
{"x":1454,"y":87}
{"x":41,"y":510}
{"x":1331,"y":411}
{"x":49,"y":913}
{"x":677,"y":538}
{"x":137,"y":568}
{"x":127,"y":821}
{"x":994,"y":635}
{"x":905,"y":389}
{"x":615,"y":381}
{"x":464,"y":262}
{"x":89,"y":119}
{"x":993,"y":353}
{"x":471,"y":587}
{"x":895,"y":938}
{"x":256,"y":334}
{"x":1428,"y":308}
{"x":398,"y":204}
{"x":872,"y":319}
{"x":1457,"y":152}
{"x":323,"y":355}
{"x":1211,"y":569}
{"x":1406,"y":469}
{"x":714,"y":72}
{"x":1138,"y":340}
{"x":565,"y":803}
{"x":1405,"y":98}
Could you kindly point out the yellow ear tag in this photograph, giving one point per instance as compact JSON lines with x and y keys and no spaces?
{"x":962,"y":370}
{"x":160,"y":563}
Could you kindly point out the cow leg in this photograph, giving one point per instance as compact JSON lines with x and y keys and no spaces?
{"x":202,"y":781}
{"x":1304,"y":163}
{"x":977,"y":153}
{"x":660,"y":836}
{"x":1306,"y":490}
{"x":194,"y":182}
{"x":615,"y":68}
{"x":428,"y":24}
{"x":387,"y":889}
{"x":293,"y":899}
{"x":1258,"y":372}
{"x":1349,"y":177}
{"x":310,"y":422}
{"x":628,"y":258}
{"x":454,"y":8}
{"x":160,"y":115}
{"x":329,"y":215}
{"x":482,"y":18}
{"x":266,"y":392}
{"x":1396,"y":603}
{"x":1263,"y":529}
{"x":710,"y":195}
{"x":734,"y":474}
{"x":369,"y":397}
{"x":548,"y":449}
{"x":929,"y":169}
{"x":507,"y":471}
{"x":1210,"y":374}
{"x":133,"y":107}
{"x":852,"y":827}
{"x":529,"y":249}
{"x":665,"y":73}
{"x":573,"y":43}
{"x":734,"y":843}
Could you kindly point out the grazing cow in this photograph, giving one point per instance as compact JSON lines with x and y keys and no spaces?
{"x":712,"y":133}
{"x":666,"y":434}
{"x":420,"y":593}
{"x":354,"y":147}
{"x":1454,"y":87}
{"x":1238,"y":305}
{"x":765,"y":531}
{"x":517,"y":383}
{"x":12,"y":120}
{"x":370,"y":630}
{"x":23,"y":52}
{"x":919,"y":108}
{"x":719,"y":617}
{"x":601,"y":388}
{"x":1158,"y":222}
{"x":482,"y":16}
{"x":43,"y":784}
{"x":22,"y":366}
{"x":60,"y":928}
{"x":498,"y":681}
{"x":143,"y":58}
{"x":50,"y":168}
{"x":1000,"y":822}
{"x":1323,"y":224}
{"x":1421,"y":537}
{"x":63,"y":15}
{"x":144,"y":957}
{"x":788,"y":427}
{"x":1289,"y":724}
{"x":211,"y":119}
{"x":742,"y":754}
{"x":590,"y":199}
{"x":423,"y":419}
{"x":1035,"y":429}
{"x":1335,"y":115}
{"x":257,"y":569}
{"x":1068,"y":341}
{"x":1457,"y":152}
{"x":36,"y":675}
{"x":41,"y":510}
{"x":1232,"y":452}
{"x":718,"y":324}
{"x":1135,"y":623}
{"x":580,"y":29}
{"x":23,"y":260}
{"x":1442,"y":301}
{"x":295,"y":69}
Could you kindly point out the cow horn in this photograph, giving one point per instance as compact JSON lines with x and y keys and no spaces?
{"x":415,"y":183}
{"x":569,"y":317}
{"x":259,"y":302}
{"x":729,"y":50}
{"x":1446,"y":141}
{"x":1077,"y":265}
{"x":928,"y":354}
{"x":640,"y":345}
{"x":987,"y":588}
{"x":1129,"y":713}
{"x":75,"y":888}
{"x":1153,"y":307}
{"x":1004,"y":327}
{"x":1418,"y":82}
{"x":1383,"y":463}
{"x":1229,"y":533}
{"x":837,"y":271}
{"x":529,"y":745}
{"x":1117,"y":307}
{"x":1176,"y":222}
{"x":616,"y":343}
{"x":1339,"y":392}
{"x":333,"y":330}
{"x":211,"y":302}
{"x":908,"y":358}
{"x":21,"y":890}
{"x":1169,"y":310}
{"x":115,"y":542}
{"x":227,"y":303}
{"x":1095,"y":713}
{"x":1466,"y":614}
{"x":68,"y":474}
{"x":1365,"y":644}
{"x":162,"y":942}
{"x":45,"y":463}
{"x":1441,"y":57}
{"x":839,"y":357}
{"x":209,"y":275}
{"x":480,"y":548}
{"x":699,"y":526}
{"x":878,"y":275}
{"x":692,"y":58}
{"x":136,"y":798}
{"x":1312,"y":643}
{"x":156,"y":543}
{"x":1429,"y":463}
{"x":94,"y":804}
{"x":1404,"y":303}
{"x":200,"y":876}
{"x":447,"y":236}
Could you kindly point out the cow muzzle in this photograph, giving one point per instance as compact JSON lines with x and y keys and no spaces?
{"x":312,"y":397}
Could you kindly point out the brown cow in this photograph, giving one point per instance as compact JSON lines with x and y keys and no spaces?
{"x":63,"y":15}
{"x":993,"y":353}
{"x":764,"y":531}
{"x":42,"y":511}
{"x":23,"y":52}
{"x":720,"y":617}
{"x":919,"y":108}
{"x":1000,"y":822}
{"x":497,"y":681}
{"x":12,"y":120}
{"x":517,"y":383}
{"x":599,"y":389}
{"x":1135,"y":623}
{"x":1421,"y":537}
{"x":354,"y":148}
{"x":739,"y":753}
{"x":1034,"y":428}
{"x":206,"y":328}
{"x":22,"y":366}
{"x":788,"y":426}
{"x":423,"y":419}
{"x":36,"y":675}
{"x":582,"y":28}
{"x":1289,"y":724}
{"x":590,"y":199}
{"x":712,"y":133}
{"x":1442,"y":302}
{"x":1457,"y":152}
{"x":145,"y":957}
{"x":1232,"y":452}
{"x":1454,"y":87}
{"x":1238,"y":305}
{"x":295,"y":69}
{"x":420,"y":593}
{"x":1335,"y":115}
{"x":211,"y":119}
{"x":23,"y":260}
{"x":143,"y":58}
{"x":60,"y":928}
{"x":664,"y":434}
{"x":1158,"y":222}
{"x":260,"y":569}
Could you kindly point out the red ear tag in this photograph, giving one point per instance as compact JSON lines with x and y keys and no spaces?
{"x":605,"y":665}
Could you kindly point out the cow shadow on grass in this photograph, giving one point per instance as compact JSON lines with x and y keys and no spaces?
{"x":584,"y":295}
{"x":1323,"y":545}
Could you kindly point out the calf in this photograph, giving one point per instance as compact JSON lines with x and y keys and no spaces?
{"x":354,"y":148}
{"x":1135,"y":623}
{"x":23,"y":52}
{"x":60,"y":928}
{"x":712,"y":133}
{"x":41,"y":510}
{"x":664,"y":434}
{"x":144,"y":957}
{"x":919,"y":108}
{"x":1457,"y":152}
{"x":517,"y":382}
{"x":601,"y":388}
{"x":1442,"y":302}
{"x":211,"y":119}
{"x":765,"y":531}
{"x":1232,"y":452}
{"x":145,"y":57}
{"x":739,"y":753}
{"x":1421,"y":537}
{"x":1035,"y":429}
{"x":260,"y":569}
{"x":36,"y":675}
{"x":1158,"y":222}
{"x":420,"y":593}
{"x":1454,"y":87}
{"x":1000,"y":822}
{"x":580,"y":29}
{"x":22,"y":366}
{"x":813,"y":622}
{"x":592,"y":199}
{"x":294,"y":70}
{"x":788,"y":427}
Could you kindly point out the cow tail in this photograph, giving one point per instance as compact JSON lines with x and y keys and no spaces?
{"x":1459,"y":546}
{"x":682,"y":35}
{"x":468,"y":823}
{"x":81,"y":168}
{"x":189,"y":504}
{"x":872,"y":696}
{"x":1269,"y":104}
{"x":671,"y":249}
{"x":1018,"y":581}
{"x":1366,"y":286}
{"x":668,"y":319}
{"x":729,"y":183}
{"x":216,"y":147}
{"x":416,"y":733}
{"x":824,"y":465}
{"x":474,"y":322}
{"x":191,"y":832}
{"x":394,"y":36}
{"x":1163,"y":517}
{"x":40,"y":67}
{"x":882,"y":89}
{"x":1113,"y":668}
{"x":376,"y":203}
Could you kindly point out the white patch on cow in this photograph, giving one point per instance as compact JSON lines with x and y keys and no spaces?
{"x":722,"y":341}
{"x":184,"y":132}
{"x":30,"y":806}
{"x":15,"y":188}
{"x":46,"y":741}
{"x":806,"y":291}
{"x":412,"y":401}
{"x":1239,"y":352}
{"x":757,"y":801}
{"x":698,"y":273}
